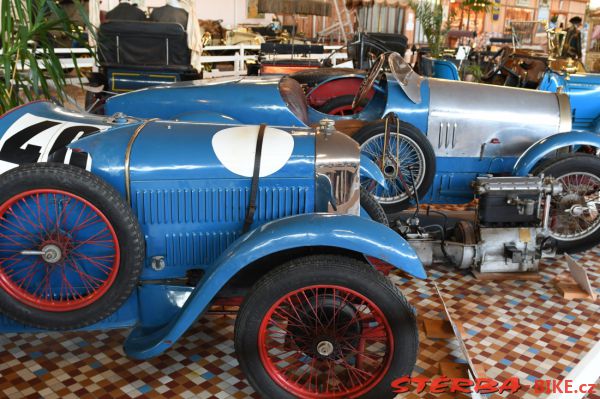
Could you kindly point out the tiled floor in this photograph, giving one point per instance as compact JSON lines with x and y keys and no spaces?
{"x":515,"y":328}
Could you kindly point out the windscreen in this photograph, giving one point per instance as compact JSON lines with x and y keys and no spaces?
{"x":409,"y":80}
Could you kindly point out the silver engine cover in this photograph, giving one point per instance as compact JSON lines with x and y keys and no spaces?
{"x":465,"y":117}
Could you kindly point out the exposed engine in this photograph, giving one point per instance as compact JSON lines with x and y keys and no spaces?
{"x":508,"y":234}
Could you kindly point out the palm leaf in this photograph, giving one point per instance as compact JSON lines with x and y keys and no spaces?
{"x":29,"y":66}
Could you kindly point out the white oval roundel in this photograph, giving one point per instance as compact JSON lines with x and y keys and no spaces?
{"x":235,"y":147}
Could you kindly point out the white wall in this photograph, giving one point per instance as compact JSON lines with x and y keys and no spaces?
{"x":232,"y":12}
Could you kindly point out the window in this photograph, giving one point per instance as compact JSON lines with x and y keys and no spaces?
{"x":381,"y":18}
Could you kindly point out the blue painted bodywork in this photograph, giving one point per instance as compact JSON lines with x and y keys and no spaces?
{"x":534,"y":154}
{"x":258,"y":100}
{"x":293,"y":232}
{"x":584,"y":93}
{"x":452,"y":183}
{"x":441,"y":69}
{"x":250,"y":100}
{"x":369,"y":169}
{"x":124,"y":80}
{"x":191,"y":209}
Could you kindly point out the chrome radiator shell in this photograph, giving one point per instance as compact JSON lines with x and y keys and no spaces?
{"x":337,"y":161}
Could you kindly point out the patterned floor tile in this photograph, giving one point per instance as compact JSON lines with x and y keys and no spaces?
{"x":513,"y":328}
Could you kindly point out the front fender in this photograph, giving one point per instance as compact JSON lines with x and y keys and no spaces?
{"x":534,"y":154}
{"x":369,"y":169}
{"x":309,"y":230}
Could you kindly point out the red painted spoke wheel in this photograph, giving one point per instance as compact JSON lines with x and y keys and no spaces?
{"x":58,"y":252}
{"x":325,"y":341}
{"x":62,"y":235}
{"x":325,"y":326}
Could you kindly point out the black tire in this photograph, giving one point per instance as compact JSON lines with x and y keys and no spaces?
{"x":564,"y":225}
{"x":338,"y":106}
{"x":417,"y":142}
{"x":372,"y":207}
{"x":89,"y":195}
{"x":324,"y":270}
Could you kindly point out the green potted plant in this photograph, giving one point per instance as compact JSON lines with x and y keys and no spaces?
{"x":435,"y":29}
{"x":29,"y":67}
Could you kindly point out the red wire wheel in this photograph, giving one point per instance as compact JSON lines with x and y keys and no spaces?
{"x":325,"y":326}
{"x":326,"y":341}
{"x":58,"y":251}
{"x":63,"y":231}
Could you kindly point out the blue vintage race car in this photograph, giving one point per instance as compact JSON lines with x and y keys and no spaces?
{"x":443,"y":135}
{"x":123,"y":222}
{"x":582,"y":88}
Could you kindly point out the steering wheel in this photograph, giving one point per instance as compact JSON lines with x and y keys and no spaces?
{"x":498,"y":61}
{"x":367,"y":84}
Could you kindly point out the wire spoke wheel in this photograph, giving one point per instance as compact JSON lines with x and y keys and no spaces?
{"x":574,"y":217}
{"x":402,"y":162}
{"x":574,"y":213}
{"x":58,"y":252}
{"x":325,"y":326}
{"x":63,"y":235}
{"x":325,"y":341}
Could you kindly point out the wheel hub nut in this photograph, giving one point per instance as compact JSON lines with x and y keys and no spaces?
{"x":51,"y":253}
{"x":325,"y":348}
{"x":577,"y":210}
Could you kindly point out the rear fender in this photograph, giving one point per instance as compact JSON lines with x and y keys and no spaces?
{"x":538,"y":150}
{"x":309,"y":230}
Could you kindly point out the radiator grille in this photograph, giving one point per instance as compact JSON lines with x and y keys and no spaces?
{"x":193,"y":249}
{"x":216,"y":205}
{"x":199,"y":224}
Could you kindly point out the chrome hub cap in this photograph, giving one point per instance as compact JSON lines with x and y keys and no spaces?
{"x":403,"y":166}
{"x":51,"y":253}
{"x":390,"y":170}
{"x":325,"y":348}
